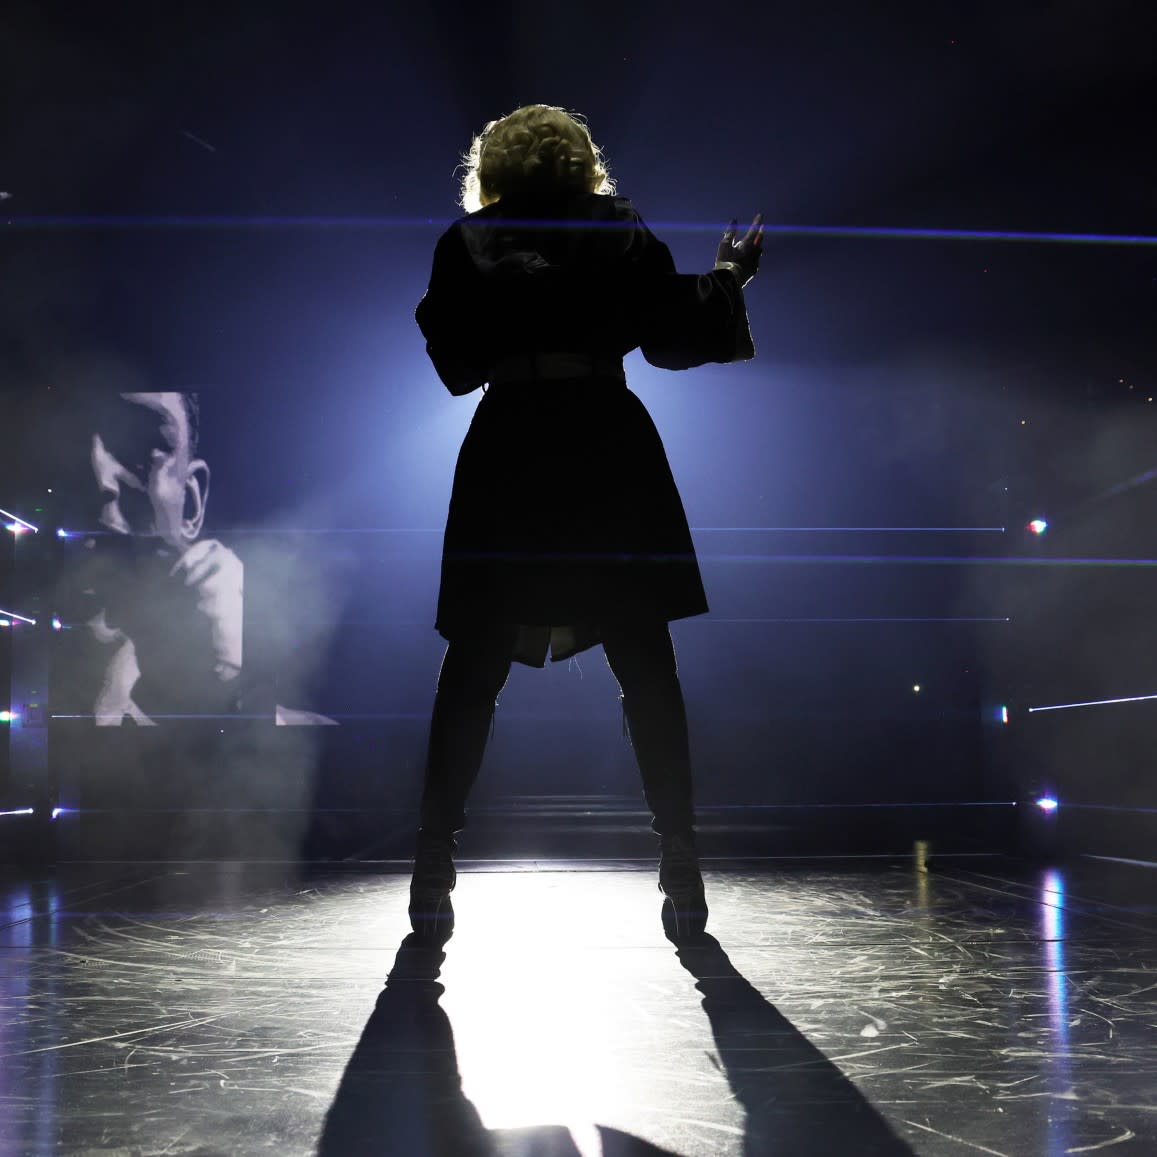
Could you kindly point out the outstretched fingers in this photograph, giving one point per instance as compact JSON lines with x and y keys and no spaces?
{"x":754,"y":235}
{"x":753,"y":238}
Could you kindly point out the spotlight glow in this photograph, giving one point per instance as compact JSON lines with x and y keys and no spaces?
{"x":1038,"y":526}
{"x":916,"y":688}
{"x":1046,"y":803}
{"x":56,"y":624}
{"x":1004,"y":714}
{"x":9,"y":717}
{"x":61,"y":532}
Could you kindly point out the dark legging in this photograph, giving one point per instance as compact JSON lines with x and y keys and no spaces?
{"x":474,"y":671}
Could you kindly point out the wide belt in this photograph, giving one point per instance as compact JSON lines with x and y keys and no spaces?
{"x":554,"y":366}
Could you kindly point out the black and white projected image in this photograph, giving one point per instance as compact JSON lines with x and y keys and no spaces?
{"x":159,"y":599}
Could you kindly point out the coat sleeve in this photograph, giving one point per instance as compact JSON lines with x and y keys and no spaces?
{"x":687,"y":319}
{"x":448,"y":316}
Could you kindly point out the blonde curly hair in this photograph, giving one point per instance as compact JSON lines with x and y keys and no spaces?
{"x":538,"y":148}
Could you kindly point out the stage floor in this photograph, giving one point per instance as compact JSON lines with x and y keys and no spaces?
{"x":841,"y":1007}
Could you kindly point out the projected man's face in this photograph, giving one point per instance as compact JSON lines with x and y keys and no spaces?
{"x":149,"y":484}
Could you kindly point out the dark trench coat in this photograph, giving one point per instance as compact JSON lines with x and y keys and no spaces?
{"x":564,"y":514}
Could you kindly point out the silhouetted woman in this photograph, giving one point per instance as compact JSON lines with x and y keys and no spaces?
{"x":565,"y":527}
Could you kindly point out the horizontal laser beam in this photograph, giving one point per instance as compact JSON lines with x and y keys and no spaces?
{"x":19,"y":521}
{"x":881,"y":232}
{"x":1093,"y":703}
{"x":695,"y":530}
{"x":771,"y":557}
{"x":879,"y":619}
{"x":862,"y":529}
{"x":933,"y":560}
{"x":18,"y":618}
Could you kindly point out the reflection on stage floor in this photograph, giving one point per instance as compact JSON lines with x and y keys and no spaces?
{"x":840,"y":1007}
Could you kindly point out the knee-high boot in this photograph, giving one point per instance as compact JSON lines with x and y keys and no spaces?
{"x":464,"y":706}
{"x":657,"y":721}
{"x":459,"y":727}
{"x":458,"y":733}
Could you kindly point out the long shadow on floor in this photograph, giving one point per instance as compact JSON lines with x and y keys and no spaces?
{"x":795,"y":1099}
{"x":401,"y":1093}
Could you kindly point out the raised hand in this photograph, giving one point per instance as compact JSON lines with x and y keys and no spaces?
{"x":742,"y":256}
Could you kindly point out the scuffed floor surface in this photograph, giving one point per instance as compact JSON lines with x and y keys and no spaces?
{"x":849,"y":1008}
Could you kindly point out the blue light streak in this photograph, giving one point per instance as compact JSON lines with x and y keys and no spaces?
{"x":235,"y":530}
{"x":865,"y":232}
{"x":863,"y":619}
{"x":18,"y":618}
{"x":766,"y":557}
{"x":746,"y":807}
{"x":1136,"y":480}
{"x":1052,"y":901}
{"x":1113,"y":491}
{"x":18,"y":521}
{"x":843,"y":559}
{"x":855,"y":529}
{"x":1124,"y":860}
{"x":901,"y":234}
{"x":1093,"y":703}
{"x":938,"y":560}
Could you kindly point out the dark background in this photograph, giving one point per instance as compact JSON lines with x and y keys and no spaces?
{"x":243,"y":201}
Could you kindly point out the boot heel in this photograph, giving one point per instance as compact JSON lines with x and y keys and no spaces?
{"x":431,"y":913}
{"x":685,"y":922}
{"x":432,"y":919}
{"x":680,"y":881}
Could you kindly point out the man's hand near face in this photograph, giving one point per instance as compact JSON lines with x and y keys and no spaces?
{"x":216,"y":576}
{"x":177,"y":626}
